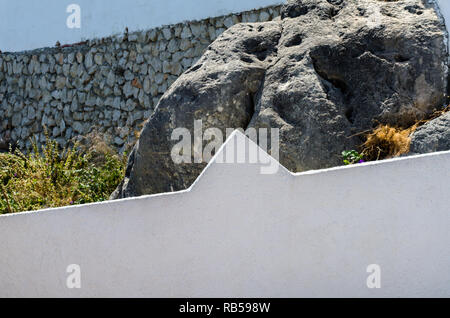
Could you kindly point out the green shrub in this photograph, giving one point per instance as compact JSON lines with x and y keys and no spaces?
{"x":53,"y":177}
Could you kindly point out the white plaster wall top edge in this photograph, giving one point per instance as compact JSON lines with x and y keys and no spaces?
{"x":212,"y":163}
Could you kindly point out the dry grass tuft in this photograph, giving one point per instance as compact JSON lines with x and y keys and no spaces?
{"x":97,"y":144}
{"x":389,"y":142}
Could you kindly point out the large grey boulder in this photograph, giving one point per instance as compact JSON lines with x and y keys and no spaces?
{"x":432,"y":137}
{"x":220,"y":89}
{"x":326,"y":71}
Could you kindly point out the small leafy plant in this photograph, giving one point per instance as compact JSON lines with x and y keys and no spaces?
{"x":352,"y":157}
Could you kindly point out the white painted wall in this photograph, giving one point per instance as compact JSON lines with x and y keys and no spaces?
{"x":30,"y":24}
{"x":238,"y":233}
{"x":444,"y":6}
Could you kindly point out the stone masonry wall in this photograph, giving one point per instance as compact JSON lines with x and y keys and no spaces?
{"x":110,"y":85}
